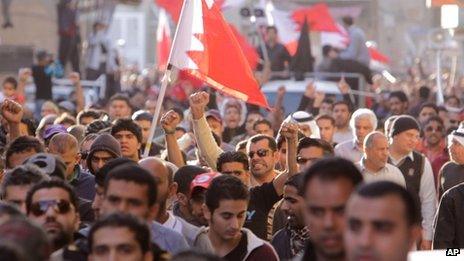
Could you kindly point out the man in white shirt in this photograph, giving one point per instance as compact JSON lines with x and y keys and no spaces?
{"x":373,"y":165}
{"x":417,"y":171}
{"x":362,"y":122}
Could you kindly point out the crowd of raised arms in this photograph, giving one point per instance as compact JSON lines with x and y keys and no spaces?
{"x":226,"y":180}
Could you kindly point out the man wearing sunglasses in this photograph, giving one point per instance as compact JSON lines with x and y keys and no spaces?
{"x":53,"y":205}
{"x":309,"y":150}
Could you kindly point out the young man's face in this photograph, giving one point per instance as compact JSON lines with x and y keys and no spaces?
{"x":377,"y":229}
{"x":433,"y":133}
{"x":326,"y":108}
{"x":119,"y":109}
{"x":397,"y":107}
{"x":426,"y":113}
{"x":251,"y":119}
{"x":16,"y":194}
{"x":227,"y":220}
{"x":341,"y":115}
{"x":362,"y":128}
{"x":99,"y":159}
{"x":145,"y":126}
{"x":238,"y":170}
{"x":129,"y":198}
{"x":324,"y":214}
{"x":58,"y":218}
{"x":71,"y":159}
{"x":264,"y":164}
{"x":406,"y":141}
{"x":232,"y":117}
{"x":307,"y":156}
{"x":326,"y":129}
{"x":129,"y":144}
{"x":292,"y":206}
{"x":264,"y":129}
{"x":117,"y":243}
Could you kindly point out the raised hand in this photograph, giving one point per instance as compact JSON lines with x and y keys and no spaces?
{"x":310,"y":90}
{"x":198,"y":102}
{"x":24,"y":74}
{"x":169,"y":121}
{"x":281,"y":91}
{"x":289,"y":131}
{"x":343,"y":86}
{"x":12,"y":111}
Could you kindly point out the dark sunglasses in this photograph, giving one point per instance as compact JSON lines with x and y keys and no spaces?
{"x":430,"y":129}
{"x":261,"y":153}
{"x":60,"y":206}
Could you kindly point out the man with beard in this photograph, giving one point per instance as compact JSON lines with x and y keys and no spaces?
{"x":327,"y":185}
{"x":383,"y":223}
{"x":289,"y":241}
{"x":341,"y":114}
{"x":53,"y":205}
{"x":433,"y":144}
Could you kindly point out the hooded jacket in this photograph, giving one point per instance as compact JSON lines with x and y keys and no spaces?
{"x":257,"y":249}
{"x":104,"y":142}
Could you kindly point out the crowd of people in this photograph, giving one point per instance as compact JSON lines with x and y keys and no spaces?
{"x":225,"y":180}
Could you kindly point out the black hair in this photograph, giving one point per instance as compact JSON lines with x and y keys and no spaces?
{"x":258,"y":137}
{"x":121,"y":97}
{"x":101,"y":174}
{"x":326,"y":117}
{"x":331,"y":169}
{"x":453,"y":97}
{"x":22,"y":175}
{"x":295,"y":181}
{"x":326,"y":50}
{"x":22,"y":144}
{"x":348,"y":20}
{"x":342,"y":103}
{"x":263,"y":121}
{"x":400,"y":95}
{"x":127,"y":125}
{"x":385,"y":188}
{"x":11,"y":80}
{"x":232,"y":156}
{"x":436,"y":119}
{"x":86,"y":114}
{"x":424,"y":92}
{"x":139,"y":229}
{"x":136,"y":174}
{"x":225,"y":187}
{"x":180,"y":112}
{"x":48,"y":184}
{"x":271,"y":27}
{"x":31,"y":126}
{"x":428,"y":105}
{"x":328,"y":100}
{"x":97,"y":126}
{"x":307,"y":142}
{"x":184,"y":176}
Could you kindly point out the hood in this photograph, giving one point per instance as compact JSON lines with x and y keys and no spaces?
{"x":104,"y":142}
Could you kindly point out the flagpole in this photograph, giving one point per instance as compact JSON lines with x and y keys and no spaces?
{"x":164,"y":84}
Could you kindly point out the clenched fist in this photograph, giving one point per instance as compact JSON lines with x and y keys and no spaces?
{"x":169,"y":121}
{"x":12,"y":111}
{"x":198,"y":102}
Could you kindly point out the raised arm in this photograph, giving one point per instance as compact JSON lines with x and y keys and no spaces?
{"x":24,"y":75}
{"x":12,"y":112}
{"x":290,"y":132}
{"x":169,"y":122}
{"x":75,"y":78}
{"x":205,"y":140}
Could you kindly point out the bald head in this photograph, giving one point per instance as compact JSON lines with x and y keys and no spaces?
{"x":162,"y":174}
{"x":62,"y":143}
{"x":372,"y":138}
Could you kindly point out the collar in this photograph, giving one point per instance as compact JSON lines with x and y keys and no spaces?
{"x":410,"y":155}
{"x":75,"y":177}
{"x":354,"y":145}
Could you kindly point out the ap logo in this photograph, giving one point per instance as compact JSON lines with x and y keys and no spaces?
{"x":452,"y":251}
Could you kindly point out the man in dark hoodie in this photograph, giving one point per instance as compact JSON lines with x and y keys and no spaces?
{"x":104,"y":148}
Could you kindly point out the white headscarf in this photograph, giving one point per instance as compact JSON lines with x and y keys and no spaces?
{"x":302,"y":117}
